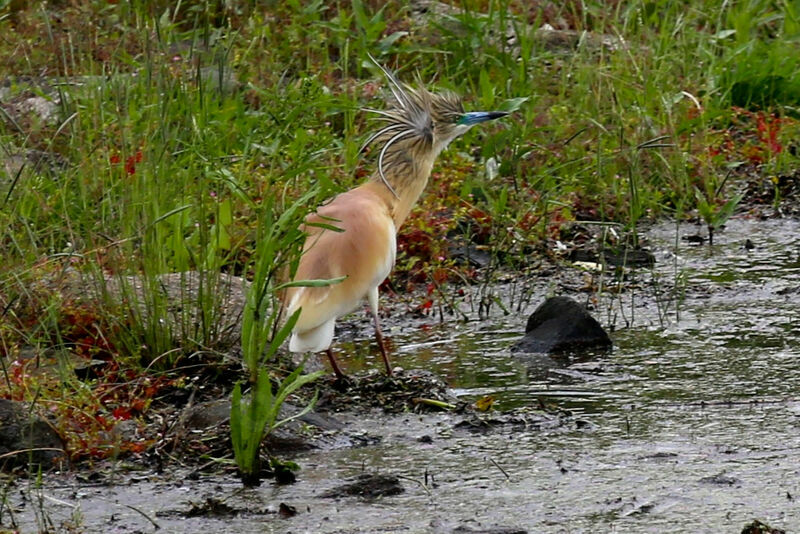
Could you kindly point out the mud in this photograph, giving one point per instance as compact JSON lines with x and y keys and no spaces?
{"x":689,"y":424}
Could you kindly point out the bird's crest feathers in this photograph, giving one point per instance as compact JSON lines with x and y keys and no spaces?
{"x":416,"y":117}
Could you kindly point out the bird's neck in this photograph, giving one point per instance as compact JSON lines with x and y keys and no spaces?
{"x":407,"y":177}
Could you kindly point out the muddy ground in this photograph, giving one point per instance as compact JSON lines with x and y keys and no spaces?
{"x":689,"y":424}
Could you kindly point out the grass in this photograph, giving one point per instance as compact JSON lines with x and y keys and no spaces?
{"x":172,"y":127}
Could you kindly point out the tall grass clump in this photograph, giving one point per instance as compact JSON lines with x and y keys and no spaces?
{"x":135,"y":247}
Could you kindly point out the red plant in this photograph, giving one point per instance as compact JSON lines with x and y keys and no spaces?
{"x":130,"y":163}
{"x":768,"y":129}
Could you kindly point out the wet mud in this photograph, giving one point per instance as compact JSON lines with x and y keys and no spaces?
{"x":688,"y":424}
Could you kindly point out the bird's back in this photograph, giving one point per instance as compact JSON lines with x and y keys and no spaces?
{"x":363,"y":252}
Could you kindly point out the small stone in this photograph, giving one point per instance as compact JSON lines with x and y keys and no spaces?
{"x":286,"y":511}
{"x":720,"y":479}
{"x":489,"y":530}
{"x":368,"y":486}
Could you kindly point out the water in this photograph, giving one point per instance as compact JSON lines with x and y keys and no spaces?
{"x":690,"y":424}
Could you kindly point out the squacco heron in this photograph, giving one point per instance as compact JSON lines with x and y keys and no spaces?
{"x":418,"y":125}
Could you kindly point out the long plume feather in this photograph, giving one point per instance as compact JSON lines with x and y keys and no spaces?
{"x":397,"y":89}
{"x":402,"y":134}
{"x":378,"y":134}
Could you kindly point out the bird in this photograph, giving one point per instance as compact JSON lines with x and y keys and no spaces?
{"x":353,"y":237}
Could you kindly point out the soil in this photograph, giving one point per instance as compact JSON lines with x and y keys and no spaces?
{"x":680,"y":413}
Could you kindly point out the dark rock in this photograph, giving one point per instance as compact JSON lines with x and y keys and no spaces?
{"x":757,"y":527}
{"x":720,"y":479}
{"x":694,"y":239}
{"x":286,"y":511}
{"x":489,"y":530}
{"x":561,"y":324}
{"x":472,"y":256}
{"x":26,"y":439}
{"x":624,"y":257}
{"x":368,"y":486}
{"x":89,"y":369}
{"x":283,"y":472}
{"x":211,"y":507}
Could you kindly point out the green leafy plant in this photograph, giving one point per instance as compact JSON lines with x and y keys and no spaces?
{"x":253,"y":418}
{"x":277,"y":251}
{"x":712,"y":206}
{"x":713,"y":213}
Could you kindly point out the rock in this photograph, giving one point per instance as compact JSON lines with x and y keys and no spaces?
{"x":757,"y":527}
{"x":23,"y":106}
{"x":205,"y":415}
{"x":489,"y":530}
{"x":33,"y":162}
{"x":624,"y":257}
{"x":205,"y":418}
{"x":26,"y":438}
{"x":210,"y":414}
{"x":368,"y":486}
{"x":471,"y":256}
{"x":694,"y":239}
{"x":432,"y":21}
{"x":186,"y":298}
{"x":561,"y":324}
{"x":721,"y":479}
{"x":555,"y":40}
{"x":285,"y":511}
{"x":185,"y":306}
{"x":309,"y":431}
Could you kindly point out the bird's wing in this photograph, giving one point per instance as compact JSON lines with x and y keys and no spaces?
{"x":363,"y":252}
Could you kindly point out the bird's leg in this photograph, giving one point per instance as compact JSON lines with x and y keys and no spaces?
{"x":336,"y":369}
{"x":373,"y":307}
{"x":379,"y":338}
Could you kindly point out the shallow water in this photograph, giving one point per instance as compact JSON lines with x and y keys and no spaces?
{"x":690,"y":424}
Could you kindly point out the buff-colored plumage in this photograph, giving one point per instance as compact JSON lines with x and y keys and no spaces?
{"x":363,"y":252}
{"x":416,"y":129}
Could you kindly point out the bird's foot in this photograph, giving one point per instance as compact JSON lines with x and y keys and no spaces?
{"x":343,"y":382}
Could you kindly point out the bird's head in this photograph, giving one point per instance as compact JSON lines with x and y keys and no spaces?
{"x":449,"y":119}
{"x":421,"y":124}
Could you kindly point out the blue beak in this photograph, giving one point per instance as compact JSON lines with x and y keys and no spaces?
{"x":475,"y":117}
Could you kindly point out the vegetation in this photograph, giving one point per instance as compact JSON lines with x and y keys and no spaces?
{"x":170,"y":127}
